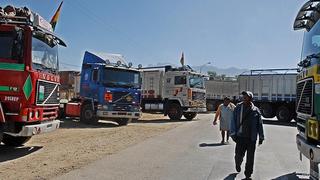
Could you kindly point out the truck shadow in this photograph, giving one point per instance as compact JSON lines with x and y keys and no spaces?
{"x":278,"y":123}
{"x":76,"y":124}
{"x":160,"y":121}
{"x":293,"y":176}
{"x":8,"y":153}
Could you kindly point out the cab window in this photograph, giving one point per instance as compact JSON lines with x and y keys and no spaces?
{"x":180,"y":80}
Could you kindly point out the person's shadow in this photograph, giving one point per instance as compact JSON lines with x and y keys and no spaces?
{"x":211,"y":144}
{"x":231,"y":176}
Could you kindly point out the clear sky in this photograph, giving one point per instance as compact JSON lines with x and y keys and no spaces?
{"x":233,"y":33}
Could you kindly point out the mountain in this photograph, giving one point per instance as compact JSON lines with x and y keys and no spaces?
{"x":232,"y":71}
{"x":229,"y":72}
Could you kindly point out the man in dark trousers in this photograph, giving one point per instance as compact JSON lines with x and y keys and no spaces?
{"x":245,"y":127}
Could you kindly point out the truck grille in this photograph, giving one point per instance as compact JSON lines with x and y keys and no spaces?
{"x":301,"y":124}
{"x":47,"y":93}
{"x":122,"y":108}
{"x":305,"y":97}
{"x":122,"y":97}
{"x":198,"y":96}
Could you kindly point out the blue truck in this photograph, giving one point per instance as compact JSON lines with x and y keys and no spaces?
{"x":109,"y":90}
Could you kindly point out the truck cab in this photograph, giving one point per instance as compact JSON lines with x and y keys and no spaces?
{"x":29,"y":81}
{"x":308,"y":86}
{"x":108,"y":90}
{"x":174,"y":91}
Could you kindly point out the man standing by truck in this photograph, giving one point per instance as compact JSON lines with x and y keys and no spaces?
{"x":245,"y":127}
{"x":225,"y":115}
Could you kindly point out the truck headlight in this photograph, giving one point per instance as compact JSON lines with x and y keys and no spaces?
{"x":317,"y":88}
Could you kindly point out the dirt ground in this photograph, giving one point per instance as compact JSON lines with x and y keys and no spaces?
{"x":75,"y":145}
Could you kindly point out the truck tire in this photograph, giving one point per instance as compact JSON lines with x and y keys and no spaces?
{"x":88,"y":115}
{"x":174,"y":111}
{"x":210,"y":106}
{"x":122,"y":121}
{"x":1,"y":131}
{"x":267,"y":110}
{"x":284,"y":114}
{"x":15,"y":141}
{"x":189,"y":116}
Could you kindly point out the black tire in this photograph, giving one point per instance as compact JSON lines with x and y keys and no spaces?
{"x":174,"y":111}
{"x":267,"y":110}
{"x":284,"y":114}
{"x":14,"y":141}
{"x":88,"y":115}
{"x":210,"y":106}
{"x":122,"y":121}
{"x":190,"y":116}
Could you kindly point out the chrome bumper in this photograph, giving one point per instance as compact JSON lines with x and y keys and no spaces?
{"x":306,"y":149}
{"x":30,"y":130}
{"x":118,"y":114}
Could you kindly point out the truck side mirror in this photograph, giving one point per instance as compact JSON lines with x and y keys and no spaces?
{"x":18,"y":44}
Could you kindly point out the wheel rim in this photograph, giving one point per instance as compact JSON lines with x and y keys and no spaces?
{"x":88,"y":114}
{"x":173,"y":111}
{"x":283,"y":114}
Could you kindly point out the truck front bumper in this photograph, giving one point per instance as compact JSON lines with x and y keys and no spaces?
{"x":196,"y":110}
{"x":310,"y":151}
{"x":119,"y":114}
{"x":30,"y":130}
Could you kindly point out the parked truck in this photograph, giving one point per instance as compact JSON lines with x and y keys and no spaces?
{"x":274,"y":91}
{"x":308,"y":86}
{"x":173,"y":91}
{"x":109,"y":89}
{"x":29,"y":80}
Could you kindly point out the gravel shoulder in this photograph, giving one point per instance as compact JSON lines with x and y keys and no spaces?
{"x":75,"y":145}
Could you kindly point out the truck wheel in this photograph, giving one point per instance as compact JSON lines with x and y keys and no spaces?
{"x":122,"y":122}
{"x":174,"y":111}
{"x":14,"y":141}
{"x":267,"y":110}
{"x":190,"y":116}
{"x":88,"y":116}
{"x":210,"y":107}
{"x":284,"y":114}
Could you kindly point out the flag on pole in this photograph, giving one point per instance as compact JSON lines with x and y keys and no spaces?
{"x":55,"y":17}
{"x":182,"y":59}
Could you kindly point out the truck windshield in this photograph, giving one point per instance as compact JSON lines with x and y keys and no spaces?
{"x":196,"y":82}
{"x":122,"y":78}
{"x":311,"y":43}
{"x":9,"y":47}
{"x":44,"y":57}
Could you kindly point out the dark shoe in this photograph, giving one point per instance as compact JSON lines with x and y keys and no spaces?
{"x":238,"y":168}
{"x":222,"y":142}
{"x":247,"y":178}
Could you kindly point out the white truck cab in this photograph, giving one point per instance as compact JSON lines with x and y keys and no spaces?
{"x":174,"y":91}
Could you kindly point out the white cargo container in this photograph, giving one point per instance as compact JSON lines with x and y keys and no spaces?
{"x":274,"y":91}
{"x":173,"y":91}
{"x":216,"y":90}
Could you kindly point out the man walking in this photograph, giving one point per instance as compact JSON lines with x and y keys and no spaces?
{"x":225,"y":115}
{"x":246,"y":125}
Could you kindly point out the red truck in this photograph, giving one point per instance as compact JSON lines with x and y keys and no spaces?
{"x":29,"y":80}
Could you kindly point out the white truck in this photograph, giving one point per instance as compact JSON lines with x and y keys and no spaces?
{"x":274,"y":91}
{"x":173,"y":91}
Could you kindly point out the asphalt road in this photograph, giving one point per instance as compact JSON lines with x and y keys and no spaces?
{"x":192,"y":152}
